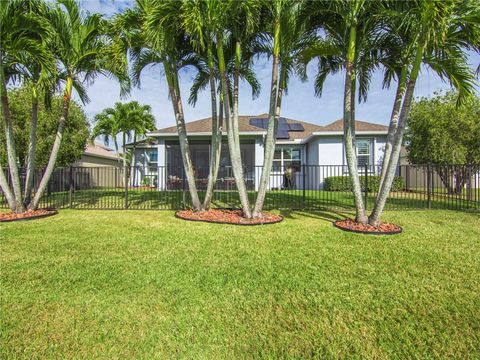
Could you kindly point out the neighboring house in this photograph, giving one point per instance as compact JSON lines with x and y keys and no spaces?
{"x":301,"y":148}
{"x":97,"y":155}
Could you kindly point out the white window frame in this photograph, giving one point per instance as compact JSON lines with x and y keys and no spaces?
{"x":282,"y":159}
{"x":148,"y":152}
{"x":370,"y":153}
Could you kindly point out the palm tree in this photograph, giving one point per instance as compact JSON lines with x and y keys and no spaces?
{"x":83,"y":51}
{"x":200,"y":19}
{"x":351,"y":29}
{"x":108,"y":125}
{"x":23,"y":56}
{"x":438,"y":33}
{"x":142,"y":122}
{"x":156,"y":36}
{"x":123,"y":119}
{"x":285,"y":38}
{"x":236,"y":18}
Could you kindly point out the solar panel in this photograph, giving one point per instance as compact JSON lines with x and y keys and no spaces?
{"x":283,"y":127}
{"x":296,"y":127}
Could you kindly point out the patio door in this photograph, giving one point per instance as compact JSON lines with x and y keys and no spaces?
{"x":201,"y":162}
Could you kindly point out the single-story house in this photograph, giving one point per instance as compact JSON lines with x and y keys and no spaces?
{"x":97,"y":155}
{"x":311,"y":152}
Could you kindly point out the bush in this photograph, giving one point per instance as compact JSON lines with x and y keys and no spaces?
{"x":342,"y":183}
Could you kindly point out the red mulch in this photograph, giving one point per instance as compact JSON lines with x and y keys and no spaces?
{"x":383,"y":228}
{"x":227,"y":217}
{"x":27,"y":215}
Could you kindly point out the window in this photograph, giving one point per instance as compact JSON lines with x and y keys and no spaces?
{"x":152,"y":155}
{"x":284,"y":158}
{"x":364,"y":152}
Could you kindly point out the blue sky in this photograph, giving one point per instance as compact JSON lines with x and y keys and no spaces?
{"x":300,"y":102}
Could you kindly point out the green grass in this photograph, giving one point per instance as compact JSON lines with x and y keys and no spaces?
{"x":278,"y":199}
{"x":146,"y":285}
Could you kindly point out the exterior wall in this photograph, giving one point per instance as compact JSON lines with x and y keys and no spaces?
{"x":328,"y":152}
{"x":259,"y":156}
{"x":322,"y":154}
{"x":379,"y":149}
{"x":94,"y":161}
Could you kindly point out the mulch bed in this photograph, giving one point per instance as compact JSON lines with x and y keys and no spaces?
{"x":227,"y":216}
{"x":382,"y":229}
{"x":28,"y":215}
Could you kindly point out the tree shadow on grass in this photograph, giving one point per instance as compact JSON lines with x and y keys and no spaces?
{"x":328,"y":216}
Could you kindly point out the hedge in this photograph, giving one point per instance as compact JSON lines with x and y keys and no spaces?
{"x":342,"y":183}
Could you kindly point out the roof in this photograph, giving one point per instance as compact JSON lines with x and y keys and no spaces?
{"x":96,"y":149}
{"x":359,"y":126}
{"x":204,"y":127}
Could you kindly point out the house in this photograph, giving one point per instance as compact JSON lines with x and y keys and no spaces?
{"x":311,"y":152}
{"x":97,"y":155}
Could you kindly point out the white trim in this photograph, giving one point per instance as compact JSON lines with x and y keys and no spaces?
{"x":376,"y":132}
{"x":205,"y":133}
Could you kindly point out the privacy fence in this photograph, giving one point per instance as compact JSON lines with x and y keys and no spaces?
{"x":300,"y":187}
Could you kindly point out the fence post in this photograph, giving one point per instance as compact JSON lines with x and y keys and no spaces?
{"x":303,"y":186}
{"x":126,"y":186}
{"x":366,"y":186}
{"x":429,"y":190}
{"x":183,"y":188}
{"x":70,"y":187}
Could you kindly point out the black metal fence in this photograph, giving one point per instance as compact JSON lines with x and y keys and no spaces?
{"x":305,"y":187}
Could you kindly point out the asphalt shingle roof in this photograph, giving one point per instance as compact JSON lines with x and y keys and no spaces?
{"x":205,"y":126}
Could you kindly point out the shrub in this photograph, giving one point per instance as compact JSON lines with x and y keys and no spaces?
{"x":342,"y":183}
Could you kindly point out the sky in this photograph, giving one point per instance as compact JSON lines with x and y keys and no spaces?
{"x":300,"y":103}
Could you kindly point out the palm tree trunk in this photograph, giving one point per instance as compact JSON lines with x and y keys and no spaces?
{"x":235,"y":156}
{"x":172,"y":79}
{"x":216,"y":135}
{"x":236,"y":79}
{"x":32,"y":147}
{"x":374,"y":218}
{"x":132,"y":159}
{"x":56,"y":146}
{"x":18,"y":206}
{"x":393,"y":124}
{"x":348,"y":130}
{"x":125,"y":172}
{"x":7,"y":192}
{"x":276,"y":91}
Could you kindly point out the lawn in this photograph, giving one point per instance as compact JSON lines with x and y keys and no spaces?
{"x":150,"y":198}
{"x":143,"y":284}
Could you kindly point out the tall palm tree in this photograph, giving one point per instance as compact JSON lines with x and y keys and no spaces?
{"x":83,"y":51}
{"x":285,"y":38}
{"x":157,"y":37}
{"x":23,"y":56}
{"x":439,"y":34}
{"x":351,"y":29}
{"x":201,"y":20}
{"x":236,"y":20}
